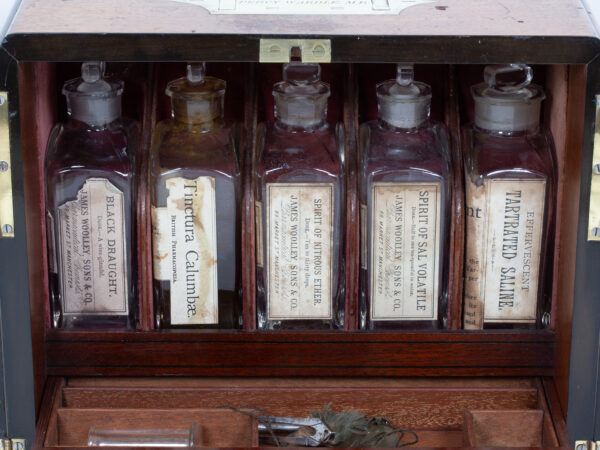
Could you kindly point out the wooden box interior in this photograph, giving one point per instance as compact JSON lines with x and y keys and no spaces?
{"x":434,"y":408}
{"x":345,"y":353}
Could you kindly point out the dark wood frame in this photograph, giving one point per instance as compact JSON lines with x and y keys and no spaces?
{"x":456,"y":353}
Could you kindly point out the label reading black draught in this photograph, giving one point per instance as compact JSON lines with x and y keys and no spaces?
{"x":93,"y":264}
{"x":299,"y":246}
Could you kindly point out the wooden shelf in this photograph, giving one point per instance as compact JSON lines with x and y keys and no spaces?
{"x":220,"y":353}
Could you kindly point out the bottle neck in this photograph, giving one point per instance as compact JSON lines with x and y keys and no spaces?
{"x":203,"y":114}
{"x":508,"y":133}
{"x":399,"y":129}
{"x":300,"y":127}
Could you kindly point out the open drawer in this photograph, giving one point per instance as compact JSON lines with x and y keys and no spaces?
{"x":434,"y":408}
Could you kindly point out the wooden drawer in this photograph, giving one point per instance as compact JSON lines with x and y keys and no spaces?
{"x":434,"y":408}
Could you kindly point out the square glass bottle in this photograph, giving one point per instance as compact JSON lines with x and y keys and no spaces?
{"x":405,"y":194}
{"x":510,"y":185}
{"x":195,"y":208}
{"x":300,"y":231}
{"x":91,"y":207}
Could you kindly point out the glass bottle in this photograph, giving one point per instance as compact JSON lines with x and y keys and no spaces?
{"x":195,"y":208}
{"x":509,"y":184}
{"x":299,"y":208}
{"x":405,"y":192}
{"x":90,"y":205}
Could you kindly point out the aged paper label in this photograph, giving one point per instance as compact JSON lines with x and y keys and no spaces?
{"x":363,"y":236}
{"x":364,"y":7}
{"x":93,"y":258}
{"x":184,"y":247}
{"x":259,"y":233}
{"x":405,"y":246}
{"x":299,"y":246}
{"x":51,"y":238}
{"x":505,"y":223}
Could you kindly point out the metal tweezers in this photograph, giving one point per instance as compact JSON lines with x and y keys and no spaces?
{"x":321,"y":433}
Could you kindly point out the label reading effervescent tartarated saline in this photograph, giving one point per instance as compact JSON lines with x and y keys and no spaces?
{"x":184,"y":247}
{"x":299,"y":250}
{"x":93,"y":258}
{"x":505,"y":224}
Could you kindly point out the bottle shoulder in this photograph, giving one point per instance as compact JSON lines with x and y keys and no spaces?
{"x":74,"y":144}
{"x":518,"y":156}
{"x":387,"y":151}
{"x":176,"y":145}
{"x":285,"y":151}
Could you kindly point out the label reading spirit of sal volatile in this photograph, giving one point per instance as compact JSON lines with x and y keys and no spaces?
{"x":299,"y":245}
{"x":505,"y":220}
{"x":184,"y":247}
{"x":92,"y":247}
{"x":405,"y":251}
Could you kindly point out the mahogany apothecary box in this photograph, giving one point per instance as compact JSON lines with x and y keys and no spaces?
{"x":433,"y":382}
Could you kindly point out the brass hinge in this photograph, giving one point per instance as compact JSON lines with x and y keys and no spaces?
{"x":586,"y":445}
{"x":13,"y":444}
{"x":280,"y":50}
{"x":7,"y":224}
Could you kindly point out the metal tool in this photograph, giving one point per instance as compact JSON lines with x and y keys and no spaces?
{"x":321,"y":434}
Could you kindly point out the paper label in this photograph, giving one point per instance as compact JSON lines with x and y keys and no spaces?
{"x":299,"y":246}
{"x":184,"y":247}
{"x":259,"y":234}
{"x":93,"y":257}
{"x":51,"y":238}
{"x":405,"y":245}
{"x":363,"y":236}
{"x":505,"y":223}
{"x":329,"y":7}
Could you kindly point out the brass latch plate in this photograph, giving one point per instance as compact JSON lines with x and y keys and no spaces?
{"x":13,"y":444}
{"x":280,"y":50}
{"x":594,"y":218}
{"x":7,"y":225}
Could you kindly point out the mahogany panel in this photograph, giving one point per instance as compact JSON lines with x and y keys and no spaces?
{"x":556,"y":412}
{"x":567,"y":225}
{"x":264,"y":354}
{"x":504,"y":428}
{"x":410,"y":408}
{"x":37,"y":120}
{"x":217,"y":428}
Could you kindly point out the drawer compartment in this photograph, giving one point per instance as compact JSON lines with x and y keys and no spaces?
{"x":434,"y":408}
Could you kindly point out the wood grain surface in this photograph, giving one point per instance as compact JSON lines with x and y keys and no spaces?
{"x":300,"y":353}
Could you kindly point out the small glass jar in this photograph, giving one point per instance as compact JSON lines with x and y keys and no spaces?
{"x":510,"y":196}
{"x":90,"y":206}
{"x":405,"y":194}
{"x":195,"y":208}
{"x":299,"y":208}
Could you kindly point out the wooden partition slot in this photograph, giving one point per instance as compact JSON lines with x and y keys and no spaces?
{"x":514,"y":428}
{"x":444,"y":108}
{"x":562,"y":102}
{"x":340,"y":113}
{"x":217,"y":428}
{"x":238,"y":113}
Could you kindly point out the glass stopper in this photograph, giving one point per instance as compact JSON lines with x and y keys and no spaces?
{"x":195,"y":72}
{"x":513,"y":76}
{"x":405,"y":74}
{"x":92,"y":71}
{"x":301,"y":74}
